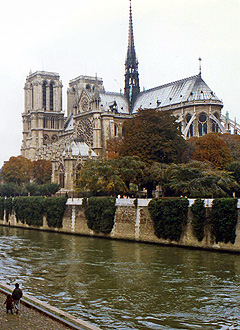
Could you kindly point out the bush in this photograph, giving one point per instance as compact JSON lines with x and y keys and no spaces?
{"x":29,"y":210}
{"x":1,"y":208}
{"x":8,"y":205}
{"x":199,"y":218}
{"x":32,"y":209}
{"x":54,"y":208}
{"x":224,"y":219}
{"x":168,"y":216}
{"x":100,"y":213}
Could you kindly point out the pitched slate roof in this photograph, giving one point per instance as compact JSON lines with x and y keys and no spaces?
{"x":184,"y":90}
{"x":108,"y":98}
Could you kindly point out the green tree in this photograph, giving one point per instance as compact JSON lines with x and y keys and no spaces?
{"x":233,"y":144}
{"x":49,"y":189}
{"x":10,"y":189}
{"x":234,"y":169}
{"x":155,"y":175}
{"x":154,"y":136}
{"x":200,"y":179}
{"x":109,"y":177}
{"x":129,"y":169}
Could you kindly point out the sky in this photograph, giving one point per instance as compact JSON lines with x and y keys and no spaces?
{"x":89,"y":37}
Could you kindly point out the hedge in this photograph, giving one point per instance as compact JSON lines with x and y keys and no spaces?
{"x":29,"y":210}
{"x":100,"y":213}
{"x":199,"y":218}
{"x":224,"y":219}
{"x":168,"y":216}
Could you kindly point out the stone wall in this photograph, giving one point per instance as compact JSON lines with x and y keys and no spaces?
{"x":131,"y":223}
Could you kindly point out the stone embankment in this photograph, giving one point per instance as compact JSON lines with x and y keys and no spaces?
{"x":134,"y":224}
{"x":34,"y":314}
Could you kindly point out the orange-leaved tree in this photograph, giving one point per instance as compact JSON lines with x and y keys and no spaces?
{"x":154,"y":136}
{"x":17,"y":169}
{"x":211,"y":147}
{"x":42,"y":171}
{"x":113,"y":147}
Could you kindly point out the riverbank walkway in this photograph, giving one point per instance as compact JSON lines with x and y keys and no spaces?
{"x":37,"y":315}
{"x":26,"y":319}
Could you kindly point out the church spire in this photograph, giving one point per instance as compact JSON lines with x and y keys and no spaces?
{"x":132,"y":88}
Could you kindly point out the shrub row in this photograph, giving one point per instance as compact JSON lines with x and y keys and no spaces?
{"x":170,"y":215}
{"x":30,"y":210}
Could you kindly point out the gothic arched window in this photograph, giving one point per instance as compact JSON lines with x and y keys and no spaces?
{"x":78,"y":170}
{"x":202,"y":124}
{"x":51,"y":96}
{"x":44,"y":95}
{"x":190,"y":131}
{"x":52,"y":122}
{"x":61,"y":176}
{"x":32,"y":97}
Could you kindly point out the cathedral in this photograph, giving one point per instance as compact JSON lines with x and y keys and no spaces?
{"x":95,"y":115}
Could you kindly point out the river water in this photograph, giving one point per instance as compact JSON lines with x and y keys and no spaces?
{"x":122,"y":285}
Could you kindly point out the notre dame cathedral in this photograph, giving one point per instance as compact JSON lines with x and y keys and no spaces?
{"x":95,"y":115}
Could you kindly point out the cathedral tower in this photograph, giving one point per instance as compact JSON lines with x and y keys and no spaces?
{"x":132,"y":88}
{"x":43,"y":119}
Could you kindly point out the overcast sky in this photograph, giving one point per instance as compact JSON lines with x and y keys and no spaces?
{"x":78,"y":37}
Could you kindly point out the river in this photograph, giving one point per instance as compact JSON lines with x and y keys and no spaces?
{"x":123,"y":285}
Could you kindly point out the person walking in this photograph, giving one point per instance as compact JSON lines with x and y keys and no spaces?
{"x":9,"y":304}
{"x":16,"y":296}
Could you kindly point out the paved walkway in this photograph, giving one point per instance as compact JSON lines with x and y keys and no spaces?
{"x":26,"y":319}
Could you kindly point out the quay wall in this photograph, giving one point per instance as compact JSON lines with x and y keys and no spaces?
{"x":133,"y":224}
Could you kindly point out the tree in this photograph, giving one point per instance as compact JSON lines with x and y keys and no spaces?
{"x":109,"y":177}
{"x":130,"y":169}
{"x":233,"y":143}
{"x":48,"y":189}
{"x":200,"y":179}
{"x":42,"y":171}
{"x":155,"y":175}
{"x":17,"y":169}
{"x":113,"y":147}
{"x":10,"y":189}
{"x":154,"y":136}
{"x":212,"y":148}
{"x":234,"y":169}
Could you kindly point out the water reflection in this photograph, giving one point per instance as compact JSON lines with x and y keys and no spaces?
{"x":121,"y":285}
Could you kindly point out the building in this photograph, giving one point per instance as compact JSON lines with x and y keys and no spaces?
{"x":95,"y":115}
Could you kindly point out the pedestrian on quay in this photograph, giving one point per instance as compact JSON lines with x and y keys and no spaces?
{"x":9,"y":304}
{"x":16,"y":296}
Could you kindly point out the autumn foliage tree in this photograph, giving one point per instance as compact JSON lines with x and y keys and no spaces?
{"x":113,"y":147}
{"x":42,"y":171}
{"x":154,"y":136}
{"x":212,"y":148}
{"x":17,"y":169}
